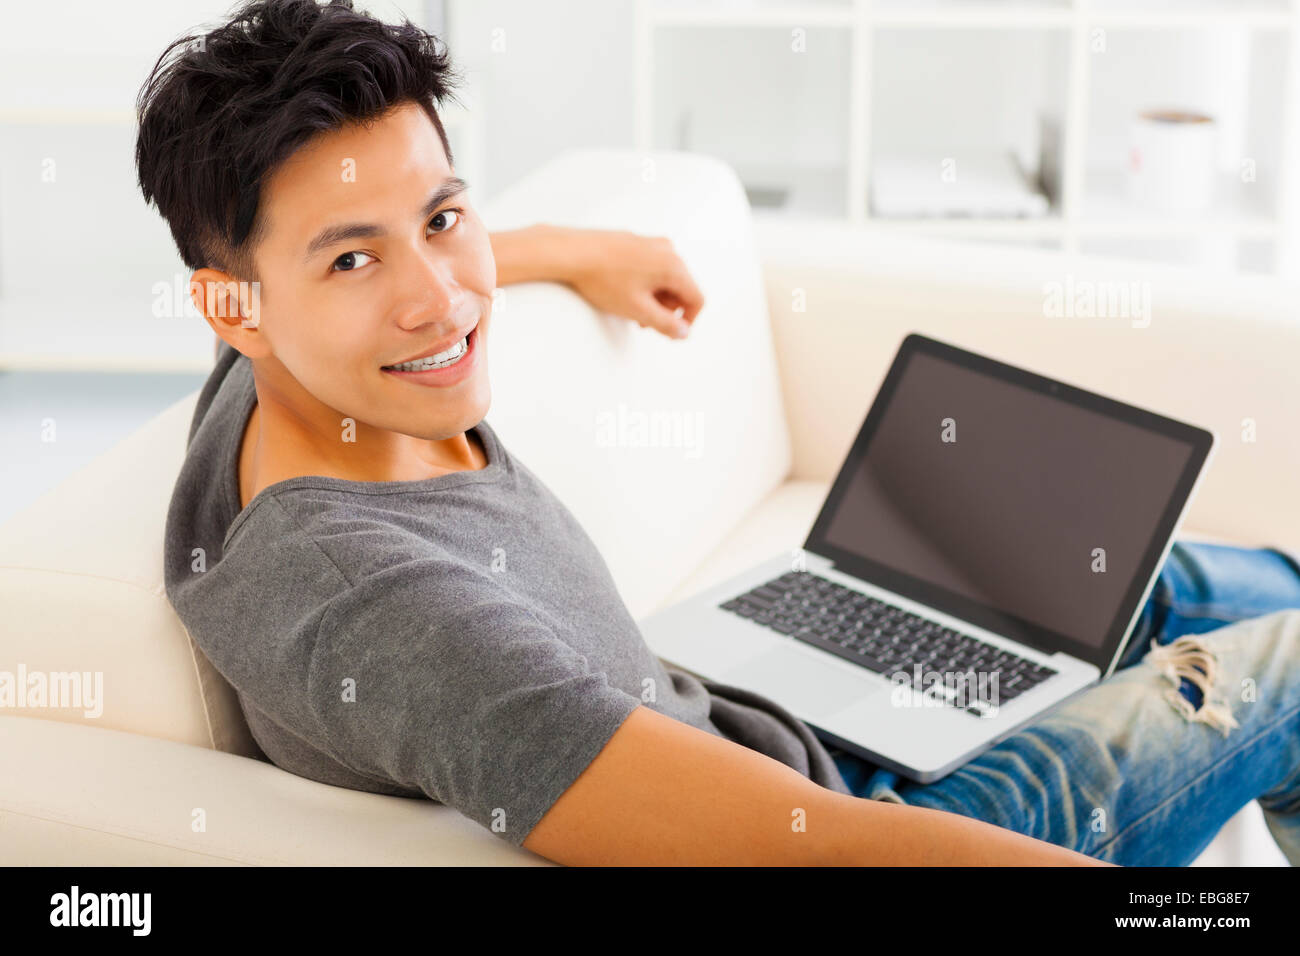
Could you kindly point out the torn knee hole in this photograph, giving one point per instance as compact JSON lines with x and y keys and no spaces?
{"x":1189,"y":658}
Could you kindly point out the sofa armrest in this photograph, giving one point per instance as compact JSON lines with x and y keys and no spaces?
{"x":88,"y":796}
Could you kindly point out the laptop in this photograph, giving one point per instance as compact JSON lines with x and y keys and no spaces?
{"x":982,"y":556}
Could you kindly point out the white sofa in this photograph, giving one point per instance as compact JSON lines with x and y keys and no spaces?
{"x":798,"y":329}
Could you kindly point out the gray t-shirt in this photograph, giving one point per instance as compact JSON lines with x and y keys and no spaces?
{"x":458,"y":638}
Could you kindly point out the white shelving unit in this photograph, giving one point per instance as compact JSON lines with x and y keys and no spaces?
{"x":684,"y":55}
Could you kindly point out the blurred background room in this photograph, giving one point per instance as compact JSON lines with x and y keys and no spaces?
{"x":1159,"y":131}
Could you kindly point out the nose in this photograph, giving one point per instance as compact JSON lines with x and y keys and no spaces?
{"x":430,"y":293}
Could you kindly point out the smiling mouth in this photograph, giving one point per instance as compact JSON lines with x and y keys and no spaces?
{"x":444,"y":359}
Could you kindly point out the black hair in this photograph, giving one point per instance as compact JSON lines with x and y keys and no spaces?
{"x":220,"y":111}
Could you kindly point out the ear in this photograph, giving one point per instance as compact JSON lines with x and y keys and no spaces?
{"x":231,"y":307}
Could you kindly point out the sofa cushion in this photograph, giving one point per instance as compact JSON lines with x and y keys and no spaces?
{"x":146,"y":790}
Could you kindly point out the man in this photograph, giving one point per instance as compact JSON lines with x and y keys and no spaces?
{"x":331,"y":538}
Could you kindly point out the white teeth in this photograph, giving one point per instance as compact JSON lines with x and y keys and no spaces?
{"x":441,"y":360}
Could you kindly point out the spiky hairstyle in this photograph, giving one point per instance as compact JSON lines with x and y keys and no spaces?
{"x":221,"y":110}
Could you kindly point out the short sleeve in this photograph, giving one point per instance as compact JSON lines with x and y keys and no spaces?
{"x":430,"y":674}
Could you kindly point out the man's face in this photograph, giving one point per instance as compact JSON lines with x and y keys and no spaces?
{"x":339,"y":303}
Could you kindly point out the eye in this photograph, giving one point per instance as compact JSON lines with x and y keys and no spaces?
{"x":350,"y":258}
{"x":439,"y":223}
{"x":455,"y":213}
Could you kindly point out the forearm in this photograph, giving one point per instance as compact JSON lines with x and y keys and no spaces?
{"x":664,"y":793}
{"x":616,"y":272}
{"x":539,"y":253}
{"x":875,"y":833}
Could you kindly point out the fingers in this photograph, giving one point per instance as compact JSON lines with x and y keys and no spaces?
{"x":651,"y":281}
{"x":663,"y":318}
{"x":687,"y":294}
{"x":679,"y":283}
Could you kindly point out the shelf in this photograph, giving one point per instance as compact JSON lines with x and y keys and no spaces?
{"x":1108,"y":211}
{"x":1006,"y":80}
{"x":1260,"y":20}
{"x":1145,"y":14}
{"x":1023,"y":14}
{"x":811,"y":191}
{"x":1046,"y":227}
{"x":721,"y":95}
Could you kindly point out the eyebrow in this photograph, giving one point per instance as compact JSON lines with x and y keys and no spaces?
{"x":369,"y":230}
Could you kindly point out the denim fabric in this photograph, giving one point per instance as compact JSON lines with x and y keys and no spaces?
{"x":1132,"y":770}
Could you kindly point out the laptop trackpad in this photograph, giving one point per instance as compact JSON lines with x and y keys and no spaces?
{"x":803,"y":683}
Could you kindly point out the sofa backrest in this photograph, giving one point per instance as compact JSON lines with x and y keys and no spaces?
{"x":1214,"y":350}
{"x":659,"y":447}
{"x":81,"y":568}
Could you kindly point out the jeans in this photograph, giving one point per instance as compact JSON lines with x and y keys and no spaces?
{"x":1144,"y":768}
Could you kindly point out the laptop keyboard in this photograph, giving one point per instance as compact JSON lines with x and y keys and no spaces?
{"x":884,"y":638}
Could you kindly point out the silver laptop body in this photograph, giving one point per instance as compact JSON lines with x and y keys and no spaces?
{"x":923,"y":721}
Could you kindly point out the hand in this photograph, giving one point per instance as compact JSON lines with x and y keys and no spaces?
{"x":637,"y":277}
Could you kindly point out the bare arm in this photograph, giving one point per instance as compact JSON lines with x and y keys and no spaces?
{"x":540,"y":253}
{"x":637,"y":277}
{"x":664,"y":793}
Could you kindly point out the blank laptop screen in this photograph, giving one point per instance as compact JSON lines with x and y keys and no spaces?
{"x":1020,"y":501}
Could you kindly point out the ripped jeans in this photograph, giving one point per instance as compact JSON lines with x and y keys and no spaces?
{"x":1144,"y":768}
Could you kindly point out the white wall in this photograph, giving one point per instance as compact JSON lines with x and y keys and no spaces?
{"x":543,"y":77}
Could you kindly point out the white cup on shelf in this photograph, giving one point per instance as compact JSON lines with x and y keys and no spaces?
{"x":1173,"y":160}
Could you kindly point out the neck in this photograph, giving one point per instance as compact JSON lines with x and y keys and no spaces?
{"x":281,"y":441}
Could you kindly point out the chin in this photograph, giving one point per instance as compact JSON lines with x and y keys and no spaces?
{"x":455,"y":422}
